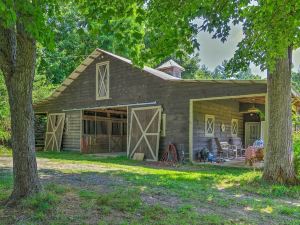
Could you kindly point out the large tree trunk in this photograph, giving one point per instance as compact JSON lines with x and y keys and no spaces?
{"x":19,"y":70}
{"x":279,"y":166}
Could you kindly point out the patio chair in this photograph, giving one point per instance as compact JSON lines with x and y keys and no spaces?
{"x":237,"y":146}
{"x":222,"y":147}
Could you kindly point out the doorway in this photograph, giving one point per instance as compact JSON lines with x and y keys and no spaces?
{"x":104,"y":130}
{"x":252,"y":132}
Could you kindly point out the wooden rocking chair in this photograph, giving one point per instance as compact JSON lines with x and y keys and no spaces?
{"x":221,"y":149}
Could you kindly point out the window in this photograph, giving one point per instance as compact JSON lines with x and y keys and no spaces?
{"x":88,"y":127}
{"x":101,"y":127}
{"x":209,"y":125}
{"x":234,"y":127}
{"x":163,"y":125}
{"x":102,"y":80}
{"x":124,"y":128}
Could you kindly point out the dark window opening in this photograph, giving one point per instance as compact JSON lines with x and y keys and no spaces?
{"x":116,"y":128}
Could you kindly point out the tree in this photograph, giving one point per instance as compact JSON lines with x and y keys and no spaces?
{"x":271,"y":32}
{"x":74,"y":42}
{"x":222,"y":72}
{"x":23,"y":24}
{"x":150,"y":31}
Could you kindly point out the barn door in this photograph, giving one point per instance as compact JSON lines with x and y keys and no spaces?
{"x":144,"y":132}
{"x":55,"y":126}
{"x":252,"y":133}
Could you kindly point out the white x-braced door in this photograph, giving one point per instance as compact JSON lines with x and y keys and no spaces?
{"x":102,"y":80}
{"x":144,"y":132}
{"x":55,"y":126}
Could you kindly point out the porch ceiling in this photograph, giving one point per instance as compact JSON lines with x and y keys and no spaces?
{"x":255,"y":99}
{"x":261,"y":100}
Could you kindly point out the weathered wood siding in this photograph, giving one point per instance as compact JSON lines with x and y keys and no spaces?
{"x":130,"y":85}
{"x":71,"y":135}
{"x":224,"y":111}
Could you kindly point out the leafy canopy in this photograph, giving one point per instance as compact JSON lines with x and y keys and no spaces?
{"x":152,"y":30}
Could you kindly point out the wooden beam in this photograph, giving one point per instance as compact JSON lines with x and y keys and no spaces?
{"x":191,"y":133}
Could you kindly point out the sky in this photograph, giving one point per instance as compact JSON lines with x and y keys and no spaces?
{"x":213,"y":52}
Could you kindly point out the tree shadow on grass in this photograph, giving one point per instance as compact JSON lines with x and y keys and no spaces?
{"x":74,"y":157}
{"x":198,"y":188}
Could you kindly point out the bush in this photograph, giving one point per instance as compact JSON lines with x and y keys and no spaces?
{"x":296,"y":143}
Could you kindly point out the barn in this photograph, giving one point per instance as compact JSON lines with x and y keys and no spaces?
{"x":107,"y":105}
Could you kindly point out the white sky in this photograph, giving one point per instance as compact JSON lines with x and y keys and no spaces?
{"x":213,"y":52}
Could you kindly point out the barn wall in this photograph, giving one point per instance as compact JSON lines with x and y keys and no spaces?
{"x":130,"y":85}
{"x":224,"y":111}
{"x":71,"y":135}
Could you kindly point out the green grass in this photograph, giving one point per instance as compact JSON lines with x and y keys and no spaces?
{"x":144,"y":194}
{"x":5,"y":151}
{"x":41,"y":204}
{"x":190,"y":178}
{"x":6,"y":183}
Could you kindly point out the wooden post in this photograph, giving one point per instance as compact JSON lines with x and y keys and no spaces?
{"x":191,"y":118}
{"x":109,"y":131}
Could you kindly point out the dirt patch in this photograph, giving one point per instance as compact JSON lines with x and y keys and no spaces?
{"x":163,"y":199}
{"x":84,"y":179}
{"x":71,"y":208}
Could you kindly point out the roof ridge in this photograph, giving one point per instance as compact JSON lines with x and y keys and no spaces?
{"x":88,"y":60}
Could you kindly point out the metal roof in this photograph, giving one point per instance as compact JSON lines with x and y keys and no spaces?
{"x":231,"y":81}
{"x":170,"y":63}
{"x":154,"y":72}
{"x":164,"y":76}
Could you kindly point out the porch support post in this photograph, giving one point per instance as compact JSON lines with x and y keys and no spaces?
{"x":81,"y":130}
{"x":191,"y":121}
{"x":266,"y":128}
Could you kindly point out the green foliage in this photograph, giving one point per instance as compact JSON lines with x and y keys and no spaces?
{"x":32,"y":15}
{"x":41,"y":204}
{"x":296,"y":146}
{"x":221,"y":72}
{"x":139,"y":193}
{"x":5,"y":184}
{"x":269,"y":28}
{"x":42,"y":88}
{"x":122,"y":200}
{"x":194,"y":69}
{"x":296,"y":80}
{"x":4,"y":112}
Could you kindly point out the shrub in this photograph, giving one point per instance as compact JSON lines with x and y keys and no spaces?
{"x":296,"y":143}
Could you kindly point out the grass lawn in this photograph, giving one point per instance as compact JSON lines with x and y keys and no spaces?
{"x":84,"y":189}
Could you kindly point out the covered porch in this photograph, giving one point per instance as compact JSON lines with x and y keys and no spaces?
{"x":224,"y":127}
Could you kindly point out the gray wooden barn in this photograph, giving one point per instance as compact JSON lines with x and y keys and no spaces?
{"x":108,"y":105}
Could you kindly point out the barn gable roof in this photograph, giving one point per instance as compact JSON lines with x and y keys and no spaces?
{"x":154,"y":72}
{"x":97,"y":52}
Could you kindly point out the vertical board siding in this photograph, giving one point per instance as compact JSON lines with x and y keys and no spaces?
{"x":131,"y":85}
{"x":224,"y":111}
{"x":71,"y":135}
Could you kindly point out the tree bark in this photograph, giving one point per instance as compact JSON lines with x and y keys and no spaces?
{"x":279,"y":166}
{"x":18,"y":69}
